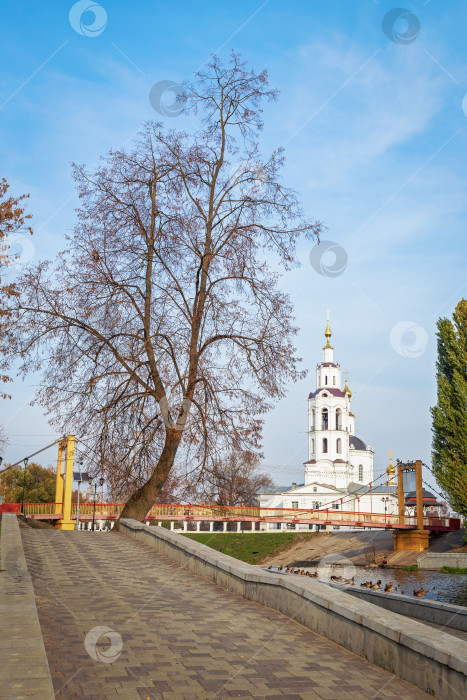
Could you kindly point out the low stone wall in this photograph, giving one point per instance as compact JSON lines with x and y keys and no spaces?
{"x":445,"y":614}
{"x":404,"y":647}
{"x":24,"y":669}
{"x":435,"y":561}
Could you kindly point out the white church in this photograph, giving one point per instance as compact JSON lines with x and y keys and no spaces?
{"x":340,"y":464}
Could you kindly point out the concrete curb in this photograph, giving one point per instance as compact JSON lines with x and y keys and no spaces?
{"x":24,"y":670}
{"x":434,"y":661}
{"x":445,"y":614}
{"x":434,"y":561}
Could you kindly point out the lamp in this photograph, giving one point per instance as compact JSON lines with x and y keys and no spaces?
{"x":25,"y":462}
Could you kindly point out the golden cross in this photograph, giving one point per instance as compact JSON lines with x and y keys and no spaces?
{"x":390,"y":455}
{"x":327,"y":314}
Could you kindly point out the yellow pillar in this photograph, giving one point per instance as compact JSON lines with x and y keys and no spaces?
{"x":400,"y":493}
{"x":67,"y":523}
{"x":59,"y":484}
{"x":418,"y":539}
{"x":419,"y":493}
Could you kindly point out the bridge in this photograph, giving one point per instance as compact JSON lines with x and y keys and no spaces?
{"x":239,"y":514}
{"x":411,"y":532}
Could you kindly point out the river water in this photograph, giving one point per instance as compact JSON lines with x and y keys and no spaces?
{"x":450,"y":588}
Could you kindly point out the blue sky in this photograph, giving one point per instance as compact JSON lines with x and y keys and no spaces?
{"x":376,"y":143}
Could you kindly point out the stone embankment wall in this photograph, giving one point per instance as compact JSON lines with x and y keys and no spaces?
{"x":435,"y":561}
{"x":24,"y":670}
{"x":404,"y":647}
{"x":445,"y":614}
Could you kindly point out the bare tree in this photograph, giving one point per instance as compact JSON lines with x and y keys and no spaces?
{"x":164,"y":321}
{"x":234,"y":480}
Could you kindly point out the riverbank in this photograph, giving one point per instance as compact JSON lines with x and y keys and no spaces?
{"x":362,"y":549}
{"x":253,"y":548}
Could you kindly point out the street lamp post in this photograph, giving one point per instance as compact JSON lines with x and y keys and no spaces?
{"x":385,"y":500}
{"x":80,"y":479}
{"x":101,"y":482}
{"x":24,"y":483}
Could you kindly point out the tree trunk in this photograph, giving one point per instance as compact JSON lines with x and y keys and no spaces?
{"x":141,"y":502}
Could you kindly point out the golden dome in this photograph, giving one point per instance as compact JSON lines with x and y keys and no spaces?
{"x":328,"y":334}
{"x":391,"y":471}
{"x":347,"y":390}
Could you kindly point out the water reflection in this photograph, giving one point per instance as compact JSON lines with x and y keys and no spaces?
{"x":448,"y":588}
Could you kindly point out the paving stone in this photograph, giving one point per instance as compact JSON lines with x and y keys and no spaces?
{"x":176,"y":635}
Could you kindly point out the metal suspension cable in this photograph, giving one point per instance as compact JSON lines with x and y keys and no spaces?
{"x":440,"y":495}
{"x":353,"y":496}
{"x":28,"y":457}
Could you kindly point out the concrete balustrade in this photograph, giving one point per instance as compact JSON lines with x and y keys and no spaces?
{"x":445,"y":614}
{"x":436,"y":663}
{"x":24,"y":670}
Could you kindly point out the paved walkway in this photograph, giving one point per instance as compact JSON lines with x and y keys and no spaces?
{"x":175,"y":635}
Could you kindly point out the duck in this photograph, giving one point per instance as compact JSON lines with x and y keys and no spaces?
{"x":420,"y":592}
{"x":302,"y":572}
{"x":315,"y":575}
{"x":376,"y":586}
{"x":350,"y":581}
{"x":307,"y":573}
{"x":388,"y":587}
{"x":367,"y":584}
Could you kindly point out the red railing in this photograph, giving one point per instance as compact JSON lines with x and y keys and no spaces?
{"x":179,"y":511}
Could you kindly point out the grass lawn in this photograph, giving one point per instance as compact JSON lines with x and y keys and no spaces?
{"x":252,"y":548}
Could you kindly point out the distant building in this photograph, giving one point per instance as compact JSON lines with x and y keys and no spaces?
{"x":340,"y":464}
{"x":431,"y":507}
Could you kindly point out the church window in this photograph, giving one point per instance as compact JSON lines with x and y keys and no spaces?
{"x":335,"y":506}
{"x":313,"y":419}
{"x":295,"y":505}
{"x":325,"y":444}
{"x":334,"y":381}
{"x":339,"y":445}
{"x":360,"y":472}
{"x":314,"y":489}
{"x":315,"y":504}
{"x":312,"y":447}
{"x":326,"y":379}
{"x":324,"y":414}
{"x":338,"y":419}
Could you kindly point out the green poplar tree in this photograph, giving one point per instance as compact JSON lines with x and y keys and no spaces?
{"x":449,"y":449}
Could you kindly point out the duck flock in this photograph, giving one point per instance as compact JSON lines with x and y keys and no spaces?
{"x":388,"y":588}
